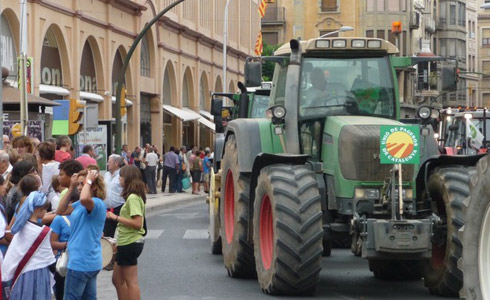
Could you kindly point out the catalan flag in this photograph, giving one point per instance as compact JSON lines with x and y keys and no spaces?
{"x":259,"y":45}
{"x":262,"y":8}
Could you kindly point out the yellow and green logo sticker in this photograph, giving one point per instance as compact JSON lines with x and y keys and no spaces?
{"x":399,"y":144}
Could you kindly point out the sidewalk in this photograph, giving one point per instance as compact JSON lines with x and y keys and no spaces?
{"x":105,"y":288}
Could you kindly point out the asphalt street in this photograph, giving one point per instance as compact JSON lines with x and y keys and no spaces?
{"x":177,"y":264}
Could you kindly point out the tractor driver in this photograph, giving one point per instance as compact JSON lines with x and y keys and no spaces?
{"x":321,"y":93}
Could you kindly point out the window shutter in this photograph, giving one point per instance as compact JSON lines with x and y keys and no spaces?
{"x":329,"y":5}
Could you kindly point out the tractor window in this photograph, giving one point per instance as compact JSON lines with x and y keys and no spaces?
{"x":278,"y":91}
{"x":260,"y":103}
{"x":344,"y":86}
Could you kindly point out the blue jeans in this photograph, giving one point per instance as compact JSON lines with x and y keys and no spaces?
{"x":81,"y":285}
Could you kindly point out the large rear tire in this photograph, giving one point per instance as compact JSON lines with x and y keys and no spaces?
{"x":475,"y":235}
{"x":287,"y":230}
{"x":448,"y":186}
{"x":396,"y":269}
{"x":237,"y":251}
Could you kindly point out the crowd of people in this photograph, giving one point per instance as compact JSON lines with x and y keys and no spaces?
{"x":54,"y":204}
{"x":179,"y":166}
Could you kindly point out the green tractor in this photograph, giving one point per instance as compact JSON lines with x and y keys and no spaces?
{"x":310,"y":172}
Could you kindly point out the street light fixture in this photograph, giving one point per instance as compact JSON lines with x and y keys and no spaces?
{"x":342,"y":29}
{"x":485,"y":5}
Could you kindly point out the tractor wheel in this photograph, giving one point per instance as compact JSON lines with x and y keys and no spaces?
{"x":237,"y":251}
{"x":396,"y":269}
{"x":214,"y":225}
{"x":287,"y":230}
{"x":356,"y":244}
{"x":448,"y":186}
{"x":475,"y":235}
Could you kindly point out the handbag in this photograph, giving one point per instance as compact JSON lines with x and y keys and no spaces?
{"x":62,"y":263}
{"x":184,"y":166}
{"x":186,"y":183}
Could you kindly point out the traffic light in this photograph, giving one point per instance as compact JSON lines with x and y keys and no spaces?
{"x":449,"y":77}
{"x":123,"y":102}
{"x":396,"y":27}
{"x":74,"y":116}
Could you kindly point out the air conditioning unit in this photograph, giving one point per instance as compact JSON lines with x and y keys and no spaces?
{"x":414,"y":20}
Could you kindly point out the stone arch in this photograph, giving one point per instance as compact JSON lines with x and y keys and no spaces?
{"x":99,"y":64}
{"x":204,"y":92}
{"x":232,"y":87}
{"x":169,"y":84}
{"x":188,"y":97}
{"x":14,"y":26}
{"x":65,"y":58}
{"x":129,"y":80}
{"x":218,"y":85}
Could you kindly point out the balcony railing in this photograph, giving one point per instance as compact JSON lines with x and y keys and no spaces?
{"x":274,"y":15}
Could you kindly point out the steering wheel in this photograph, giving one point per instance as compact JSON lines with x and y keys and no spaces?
{"x":350,"y":104}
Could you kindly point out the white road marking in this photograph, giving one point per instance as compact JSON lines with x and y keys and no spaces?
{"x":153,"y":234}
{"x":182,"y":216}
{"x":201,"y":234}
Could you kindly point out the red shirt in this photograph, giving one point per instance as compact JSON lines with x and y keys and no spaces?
{"x":86,"y":160}
{"x":61,"y":156}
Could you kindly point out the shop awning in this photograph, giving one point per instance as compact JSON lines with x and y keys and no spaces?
{"x":128,"y":102}
{"x":207,"y":123}
{"x":11,"y":95}
{"x":206,"y":114}
{"x":91,"y":96}
{"x":51,"y":89}
{"x":185,"y":114}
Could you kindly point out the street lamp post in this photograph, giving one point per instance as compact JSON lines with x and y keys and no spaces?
{"x":23,"y":68}
{"x":342,"y":29}
{"x":225,"y":42}
{"x":122,"y":74}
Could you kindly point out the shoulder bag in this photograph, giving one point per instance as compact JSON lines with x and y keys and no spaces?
{"x":62,"y":263}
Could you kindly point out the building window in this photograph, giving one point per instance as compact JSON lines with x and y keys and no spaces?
{"x":452,"y":15}
{"x":271,"y":38}
{"x":380,"y":34}
{"x":485,"y":41}
{"x":145,"y":58}
{"x":323,"y":32}
{"x":369,"y":33}
{"x":462,"y":14}
{"x":329,"y":5}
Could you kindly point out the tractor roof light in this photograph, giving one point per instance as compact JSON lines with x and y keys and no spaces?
{"x":374,"y":44}
{"x":468,"y":116}
{"x":339,"y":44}
{"x":424,"y":112}
{"x":322,"y":44}
{"x":358,"y":43}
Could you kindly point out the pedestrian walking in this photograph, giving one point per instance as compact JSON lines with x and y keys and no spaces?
{"x":170,"y":169}
{"x":5,"y":166}
{"x":23,"y":144}
{"x":206,"y":170}
{"x":150,"y":171}
{"x":114,"y":200}
{"x":20,"y":169}
{"x":131,"y":230}
{"x":27,"y":272}
{"x":3,"y":220}
{"x":124,"y":154}
{"x":87,"y":156}
{"x":196,"y":172}
{"x":85,"y":253}
{"x":6,"y":143}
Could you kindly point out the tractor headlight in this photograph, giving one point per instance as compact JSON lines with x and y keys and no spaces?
{"x":406,"y":193}
{"x":361,"y":193}
{"x":424,"y":112}
{"x":279,"y":112}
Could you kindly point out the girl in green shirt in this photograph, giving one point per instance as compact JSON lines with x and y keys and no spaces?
{"x":130,"y":228}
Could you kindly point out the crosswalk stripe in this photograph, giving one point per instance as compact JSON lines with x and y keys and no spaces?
{"x":196,"y":234}
{"x":153,"y":234}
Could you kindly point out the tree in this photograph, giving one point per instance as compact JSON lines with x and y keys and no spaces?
{"x":268,"y":67}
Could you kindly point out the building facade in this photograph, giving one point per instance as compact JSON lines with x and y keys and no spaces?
{"x":483,"y":62}
{"x":78,"y":49}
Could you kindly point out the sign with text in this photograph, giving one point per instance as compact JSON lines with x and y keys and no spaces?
{"x":97,"y":138}
{"x":399,"y":145}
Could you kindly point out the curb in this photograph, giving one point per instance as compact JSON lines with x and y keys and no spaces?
{"x":175,"y":202}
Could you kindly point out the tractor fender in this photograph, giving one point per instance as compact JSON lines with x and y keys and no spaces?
{"x":427,"y":168}
{"x":247,"y":133}
{"x":262,"y":160}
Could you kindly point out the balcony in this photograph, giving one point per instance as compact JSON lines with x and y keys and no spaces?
{"x":430,"y":24}
{"x":274,"y":16}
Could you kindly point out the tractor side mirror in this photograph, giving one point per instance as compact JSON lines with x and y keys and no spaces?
{"x":253,"y":74}
{"x":453,"y":127}
{"x":449,"y":78}
{"x":216,"y":106}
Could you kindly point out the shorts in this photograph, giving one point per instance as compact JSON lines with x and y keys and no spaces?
{"x":127,"y":255}
{"x":205,"y":177}
{"x":196,"y":176}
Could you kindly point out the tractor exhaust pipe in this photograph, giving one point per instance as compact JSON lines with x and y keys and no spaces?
{"x":292,"y":98}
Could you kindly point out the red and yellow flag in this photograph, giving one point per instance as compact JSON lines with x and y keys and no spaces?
{"x":259,"y":45}
{"x":262,"y":8}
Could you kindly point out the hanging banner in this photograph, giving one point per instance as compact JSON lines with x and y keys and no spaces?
{"x":35,"y":129}
{"x":29,"y":68}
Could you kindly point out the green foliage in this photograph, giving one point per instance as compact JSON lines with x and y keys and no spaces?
{"x":268,"y":67}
